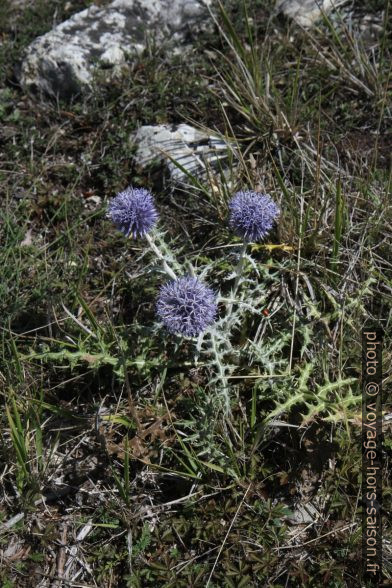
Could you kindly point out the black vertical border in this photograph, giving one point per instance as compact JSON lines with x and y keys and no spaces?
{"x":372,"y":462}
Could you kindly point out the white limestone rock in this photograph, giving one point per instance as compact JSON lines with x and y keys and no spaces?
{"x":303,"y":514}
{"x":195,"y":151}
{"x":18,"y":4}
{"x":62,"y":62}
{"x":305,"y":12}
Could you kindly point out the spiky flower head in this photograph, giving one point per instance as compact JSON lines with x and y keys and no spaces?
{"x":133,"y":212}
{"x":186,"y":306}
{"x":252,"y":215}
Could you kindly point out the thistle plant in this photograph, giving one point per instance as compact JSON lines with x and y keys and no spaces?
{"x":133,"y":212}
{"x":186,"y":306}
{"x":252,"y":215}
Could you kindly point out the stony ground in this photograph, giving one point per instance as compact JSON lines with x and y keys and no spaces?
{"x":114,"y":470}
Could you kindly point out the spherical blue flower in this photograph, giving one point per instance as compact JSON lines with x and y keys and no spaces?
{"x":133,"y":212}
{"x":186,"y":306}
{"x":252,"y":215}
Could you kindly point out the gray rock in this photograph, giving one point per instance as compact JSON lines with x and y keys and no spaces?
{"x":194,"y":150}
{"x":12,"y":4}
{"x":362,"y":25}
{"x":305,"y":12}
{"x":303,"y":514}
{"x":63,"y":61}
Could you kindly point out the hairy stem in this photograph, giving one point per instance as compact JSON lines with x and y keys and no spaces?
{"x":218,"y":361}
{"x":158,"y":253}
{"x":238,"y":274}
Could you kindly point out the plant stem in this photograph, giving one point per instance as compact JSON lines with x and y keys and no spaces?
{"x":168,"y":270}
{"x":238,"y":274}
{"x":218,"y":361}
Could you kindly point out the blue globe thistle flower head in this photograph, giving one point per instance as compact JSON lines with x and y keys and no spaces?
{"x":133,"y":212}
{"x":252,"y":215}
{"x":186,"y":306}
